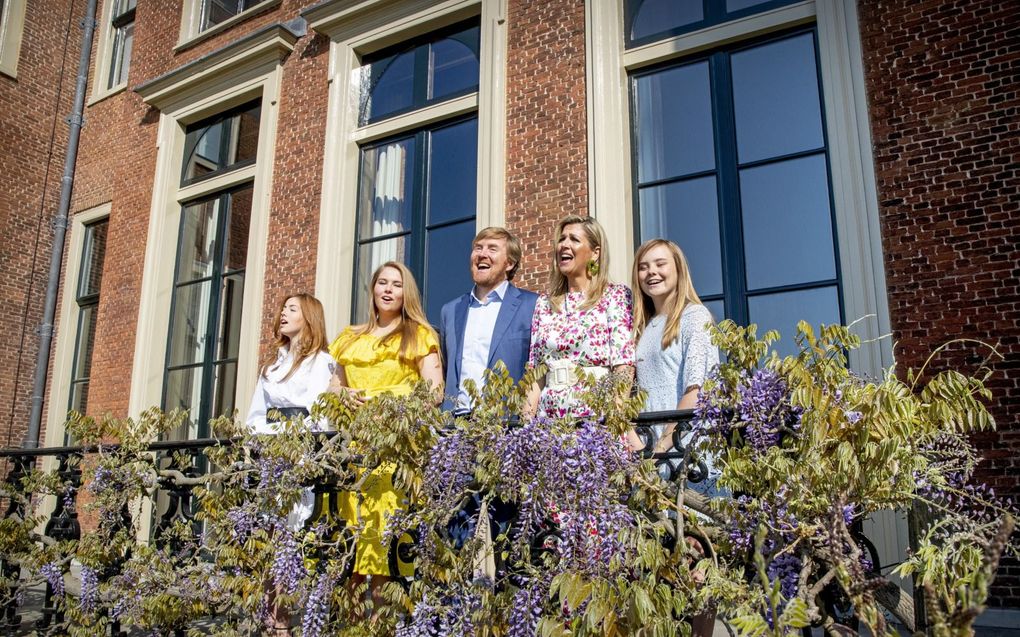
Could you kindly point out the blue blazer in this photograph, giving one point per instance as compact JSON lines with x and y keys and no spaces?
{"x":511,"y":338}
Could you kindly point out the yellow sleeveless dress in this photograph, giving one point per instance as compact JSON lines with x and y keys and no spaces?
{"x":375,"y":367}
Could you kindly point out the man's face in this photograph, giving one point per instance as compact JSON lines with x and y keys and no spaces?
{"x":489,"y":262}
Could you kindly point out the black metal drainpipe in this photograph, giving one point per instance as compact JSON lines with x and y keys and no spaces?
{"x":42,"y":363}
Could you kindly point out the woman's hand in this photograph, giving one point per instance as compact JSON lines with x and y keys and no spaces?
{"x":338,"y":385}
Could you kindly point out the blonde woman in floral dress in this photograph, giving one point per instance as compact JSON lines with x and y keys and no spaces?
{"x":583,"y":324}
{"x":388,"y":354}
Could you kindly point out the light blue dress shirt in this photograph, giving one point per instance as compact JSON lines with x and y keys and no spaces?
{"x":481,"y":322}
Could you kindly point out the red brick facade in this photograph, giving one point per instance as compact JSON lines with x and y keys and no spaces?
{"x":942,"y":84}
{"x":33,"y":138}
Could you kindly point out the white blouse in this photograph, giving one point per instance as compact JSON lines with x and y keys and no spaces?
{"x":302,"y":389}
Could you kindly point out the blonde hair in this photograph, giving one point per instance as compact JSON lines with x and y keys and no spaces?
{"x":513,"y":246}
{"x":311,"y":340}
{"x":558,"y":285}
{"x":412,"y":316}
{"x":676,"y":302}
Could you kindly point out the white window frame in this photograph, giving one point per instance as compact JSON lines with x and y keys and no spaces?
{"x":104,"y":56}
{"x":12,"y":28}
{"x":854,"y":190}
{"x":191,"y":21}
{"x":364,"y":29}
{"x":67,"y":326}
{"x":243,"y":71}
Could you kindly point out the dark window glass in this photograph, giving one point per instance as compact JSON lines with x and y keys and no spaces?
{"x":650,"y":20}
{"x":217,"y":11}
{"x":414,"y":74}
{"x":417,"y":206}
{"x":206,"y":314}
{"x":750,"y":207}
{"x":90,"y":278}
{"x":675,"y":146}
{"x":220,"y":143}
{"x":123,"y":33}
{"x":775,"y":99}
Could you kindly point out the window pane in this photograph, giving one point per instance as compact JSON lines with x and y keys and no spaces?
{"x":448,"y":272}
{"x":787,"y":224}
{"x":86,"y":340}
{"x":217,"y":11}
{"x":239,"y":220}
{"x":687,"y":213}
{"x":387,"y":184}
{"x":189,"y":323}
{"x":658,"y":16}
{"x":717,"y":309}
{"x":184,"y":391}
{"x":452,"y":172}
{"x":674,"y":123}
{"x":782,"y":311}
{"x":775,"y":99}
{"x":454,"y":64}
{"x":120,"y":59}
{"x":371,"y":256}
{"x":228,"y":333}
{"x":93,"y":255}
{"x":79,"y":397}
{"x":197,"y":251}
{"x":221,"y":142}
{"x":390,"y":86}
{"x":224,"y":389}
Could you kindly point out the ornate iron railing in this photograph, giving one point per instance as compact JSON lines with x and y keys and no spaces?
{"x":176,"y":503}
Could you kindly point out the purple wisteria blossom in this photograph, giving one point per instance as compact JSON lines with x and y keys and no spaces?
{"x":288,"y":569}
{"x":55,"y":577}
{"x":88,"y":602}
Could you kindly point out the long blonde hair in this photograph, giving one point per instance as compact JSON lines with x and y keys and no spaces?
{"x":411,"y":313}
{"x":676,"y":302}
{"x":311,"y":340}
{"x":558,"y":285}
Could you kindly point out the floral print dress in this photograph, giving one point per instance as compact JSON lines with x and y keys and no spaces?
{"x":600,"y":336}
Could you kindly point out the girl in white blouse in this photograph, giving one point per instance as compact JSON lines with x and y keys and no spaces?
{"x":296,"y":368}
{"x":294,"y":371}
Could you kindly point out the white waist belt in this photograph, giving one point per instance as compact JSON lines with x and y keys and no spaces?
{"x":564,"y":373}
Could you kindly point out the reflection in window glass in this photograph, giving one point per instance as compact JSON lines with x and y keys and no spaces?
{"x":651,"y":17}
{"x":90,"y":276}
{"x":757,"y":217}
{"x":454,"y":151}
{"x":674,"y":146}
{"x":122,"y":30}
{"x":221,"y":142}
{"x":775,"y":99}
{"x":217,"y":11}
{"x":782,"y":310}
{"x":454,"y":64}
{"x":782,"y":200}
{"x":686,"y":213}
{"x":428,"y":216}
{"x":447,"y":272}
{"x":420,"y":72}
{"x":207,"y":307}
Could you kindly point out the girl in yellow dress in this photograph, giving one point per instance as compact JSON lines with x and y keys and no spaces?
{"x":394,"y":349}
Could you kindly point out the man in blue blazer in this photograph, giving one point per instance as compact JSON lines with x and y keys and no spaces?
{"x":490,"y":323}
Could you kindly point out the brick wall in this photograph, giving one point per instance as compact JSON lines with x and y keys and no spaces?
{"x":546,"y":124}
{"x":33,"y":138}
{"x":942,"y":79}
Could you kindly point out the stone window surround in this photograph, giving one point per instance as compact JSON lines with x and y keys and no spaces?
{"x":244,"y":70}
{"x":363,"y":29}
{"x":191,"y":16}
{"x":67,"y":326}
{"x":104,"y":53}
{"x":854,"y":191}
